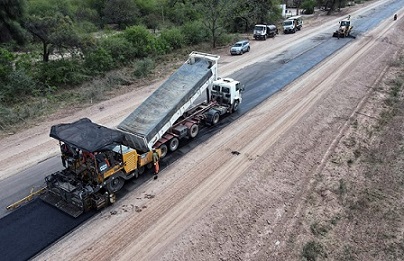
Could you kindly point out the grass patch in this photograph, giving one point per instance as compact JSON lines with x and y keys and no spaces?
{"x":313,"y":250}
{"x":319,"y":229}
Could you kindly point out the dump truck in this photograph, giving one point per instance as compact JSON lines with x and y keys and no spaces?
{"x":192,"y":96}
{"x":263,"y":31}
{"x":98,"y":160}
{"x":344,"y":28}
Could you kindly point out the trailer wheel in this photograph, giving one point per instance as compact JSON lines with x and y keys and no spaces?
{"x":174,"y":143}
{"x":115,"y":185}
{"x":215,"y":118}
{"x":164,"y":150}
{"x":194,"y":130}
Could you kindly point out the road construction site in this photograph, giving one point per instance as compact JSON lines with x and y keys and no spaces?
{"x":300,"y":91}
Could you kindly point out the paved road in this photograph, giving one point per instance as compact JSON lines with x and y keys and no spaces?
{"x":28,"y":230}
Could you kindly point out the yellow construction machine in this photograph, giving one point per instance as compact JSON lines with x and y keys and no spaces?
{"x":96,"y":165}
{"x":344,"y":29}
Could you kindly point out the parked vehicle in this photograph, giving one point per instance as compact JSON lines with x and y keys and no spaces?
{"x":292,"y":24}
{"x":240,"y":47}
{"x":263,"y":31}
{"x":99,"y":160}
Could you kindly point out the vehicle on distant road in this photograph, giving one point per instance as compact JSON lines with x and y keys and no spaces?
{"x":263,"y":31}
{"x":292,"y":24}
{"x":240,"y":47}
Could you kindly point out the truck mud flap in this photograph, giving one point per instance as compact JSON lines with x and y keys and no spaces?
{"x":56,"y":201}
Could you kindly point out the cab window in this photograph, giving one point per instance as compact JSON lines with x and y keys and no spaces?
{"x":216,"y":88}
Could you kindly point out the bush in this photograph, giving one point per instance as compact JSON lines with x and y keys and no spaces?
{"x":98,"y":61}
{"x":143,"y":67}
{"x":142,"y":41}
{"x":18,"y":86}
{"x":120,"y":49}
{"x":194,"y":33}
{"x":6,"y":59}
{"x":173,"y":37}
{"x":224,"y":39}
{"x":308,"y":6}
{"x":59,"y":72}
{"x":312,"y":251}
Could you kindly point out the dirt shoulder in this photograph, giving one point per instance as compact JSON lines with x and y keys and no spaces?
{"x":215,"y":205}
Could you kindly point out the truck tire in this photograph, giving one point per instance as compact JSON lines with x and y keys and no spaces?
{"x":115,"y":184}
{"x":174,"y":143}
{"x":164,"y":150}
{"x":235,"y":106}
{"x":215,"y":118}
{"x":194,"y":130}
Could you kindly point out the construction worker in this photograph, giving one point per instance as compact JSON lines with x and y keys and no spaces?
{"x":156,"y":158}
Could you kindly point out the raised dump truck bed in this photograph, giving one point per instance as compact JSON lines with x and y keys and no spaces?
{"x":157,"y":114}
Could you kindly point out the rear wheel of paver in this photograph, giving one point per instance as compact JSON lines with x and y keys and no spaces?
{"x":115,"y":185}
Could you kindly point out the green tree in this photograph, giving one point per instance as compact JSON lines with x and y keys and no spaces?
{"x":43,"y":8}
{"x":215,"y":12}
{"x":120,"y":12}
{"x":57,"y":33}
{"x":308,"y":6}
{"x":11,"y":13}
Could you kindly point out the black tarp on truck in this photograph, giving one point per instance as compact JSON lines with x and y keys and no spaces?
{"x":142,"y":125}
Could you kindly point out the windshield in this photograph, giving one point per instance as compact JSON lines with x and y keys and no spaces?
{"x":344,"y":23}
{"x":259,"y":28}
{"x":237,"y":45}
{"x":287,"y":23}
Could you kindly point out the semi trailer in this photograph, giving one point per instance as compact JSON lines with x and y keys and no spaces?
{"x":98,"y":160}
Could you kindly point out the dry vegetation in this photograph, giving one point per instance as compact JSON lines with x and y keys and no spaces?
{"x":355,"y":209}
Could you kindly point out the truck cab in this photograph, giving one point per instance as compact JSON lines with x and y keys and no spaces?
{"x":227,"y":92}
{"x":292,"y":24}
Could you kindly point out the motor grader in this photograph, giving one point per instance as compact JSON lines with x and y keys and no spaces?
{"x":344,"y":29}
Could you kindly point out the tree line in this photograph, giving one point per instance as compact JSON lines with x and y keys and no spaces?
{"x":49,"y":45}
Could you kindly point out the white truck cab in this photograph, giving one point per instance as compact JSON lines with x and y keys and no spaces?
{"x":292,"y":24}
{"x":227,"y":91}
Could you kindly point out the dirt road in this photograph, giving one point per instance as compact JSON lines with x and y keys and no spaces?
{"x":213,"y":204}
